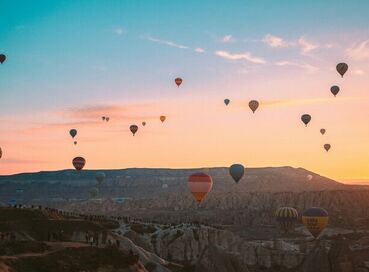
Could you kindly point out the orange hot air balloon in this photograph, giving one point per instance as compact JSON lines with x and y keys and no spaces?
{"x":178,"y":81}
{"x":327,"y":147}
{"x":133,"y":129}
{"x":79,"y":163}
{"x":162,"y":118}
{"x":200,"y":185}
{"x":144,"y":123}
{"x":253,"y":104}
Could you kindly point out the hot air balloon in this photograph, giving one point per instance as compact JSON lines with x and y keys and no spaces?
{"x":103,"y":118}
{"x":253,"y":104}
{"x":162,"y":118}
{"x":335,"y":89}
{"x":75,"y":142}
{"x":286,"y":218}
{"x":100,"y":177}
{"x":200,"y":185}
{"x":73,"y":132}
{"x":322,"y":131}
{"x":119,"y":200}
{"x":1,"y":153}
{"x":342,"y":68}
{"x":309,"y":177}
{"x":143,"y":123}
{"x":79,"y":163}
{"x":178,"y":81}
{"x":306,"y":118}
{"x":164,"y":186}
{"x":327,"y":147}
{"x":107,"y":119}
{"x":2,"y":58}
{"x":236,"y":171}
{"x":94,"y":192}
{"x":133,"y":129}
{"x":226,"y":101}
{"x":315,"y":220}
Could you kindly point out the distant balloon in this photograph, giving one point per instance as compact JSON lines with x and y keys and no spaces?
{"x":327,"y":147}
{"x":342,"y":68}
{"x":306,"y":118}
{"x":1,"y":153}
{"x":2,"y":58}
{"x":253,"y":104}
{"x":315,"y":220}
{"x":119,"y":200}
{"x":286,"y":218}
{"x":103,"y":118}
{"x":178,"y":81}
{"x":107,"y":119}
{"x":322,"y":131}
{"x":309,"y":177}
{"x":200,"y":185}
{"x":143,"y":123}
{"x":94,"y":192}
{"x":162,"y":118}
{"x":133,"y":129}
{"x":73,"y":132}
{"x":79,"y":163}
{"x":237,"y":171}
{"x":226,"y":101}
{"x":75,"y":142}
{"x":335,"y":89}
{"x":100,"y":177}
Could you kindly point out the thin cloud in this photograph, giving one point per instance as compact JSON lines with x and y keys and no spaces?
{"x":359,"y":51}
{"x":306,"y":46}
{"x":240,"y":56}
{"x":199,"y":50}
{"x":275,"y":41}
{"x":169,"y":43}
{"x":119,"y":31}
{"x":227,"y":39}
{"x":308,"y":67}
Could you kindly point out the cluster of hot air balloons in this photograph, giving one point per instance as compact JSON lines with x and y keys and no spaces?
{"x":315,"y":219}
{"x":73,"y":133}
{"x":306,"y":118}
{"x":105,"y":118}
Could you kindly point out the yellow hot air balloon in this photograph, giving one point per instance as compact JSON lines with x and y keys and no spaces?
{"x":162,"y":118}
{"x":286,"y":218}
{"x":315,"y":220}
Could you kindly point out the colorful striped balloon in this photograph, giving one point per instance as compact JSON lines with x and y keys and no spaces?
{"x":200,"y":185}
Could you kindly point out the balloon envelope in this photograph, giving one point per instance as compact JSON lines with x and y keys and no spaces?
{"x":79,"y":163}
{"x":2,"y":58}
{"x":335,"y":89}
{"x":322,"y":131}
{"x":237,"y":171}
{"x":226,"y":101}
{"x":327,"y":147}
{"x":162,"y":118}
{"x":306,"y":118}
{"x":73,"y":132}
{"x":200,"y":185}
{"x":75,"y":142}
{"x":178,"y":81}
{"x":253,"y":104}
{"x":144,"y":123}
{"x":100,"y":177}
{"x":342,"y":68}
{"x":315,"y":220}
{"x":133,"y":129}
{"x":286,"y":218}
{"x":107,"y":119}
{"x":1,"y":153}
{"x":103,"y":118}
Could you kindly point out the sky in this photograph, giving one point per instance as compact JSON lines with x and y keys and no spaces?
{"x":71,"y":62}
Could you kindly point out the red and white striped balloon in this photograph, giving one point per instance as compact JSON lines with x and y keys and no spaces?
{"x":200,"y":185}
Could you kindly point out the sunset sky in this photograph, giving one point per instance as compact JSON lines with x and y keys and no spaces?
{"x":71,"y":62}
